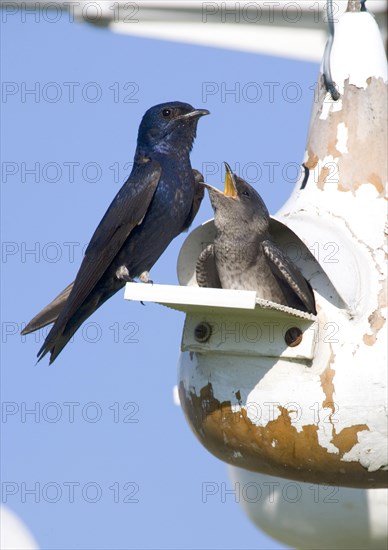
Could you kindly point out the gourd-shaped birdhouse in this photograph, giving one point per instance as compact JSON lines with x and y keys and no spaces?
{"x":276,"y":390}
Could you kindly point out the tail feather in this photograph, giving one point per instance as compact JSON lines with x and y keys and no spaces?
{"x":64,"y":329}
{"x":55,"y":346}
{"x":50,"y":313}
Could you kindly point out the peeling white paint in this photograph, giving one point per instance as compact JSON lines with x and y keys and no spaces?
{"x":313,"y":203}
{"x":357,"y":52}
{"x":280,"y":387}
{"x":329,"y":106}
{"x":371,"y":451}
{"x":326,"y":432}
{"x":342,"y":138}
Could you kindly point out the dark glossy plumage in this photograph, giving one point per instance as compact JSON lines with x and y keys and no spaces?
{"x":244,"y":256}
{"x":158,"y":201}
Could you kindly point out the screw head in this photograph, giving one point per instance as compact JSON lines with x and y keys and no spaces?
{"x":202,"y":332}
{"x":293,"y":337}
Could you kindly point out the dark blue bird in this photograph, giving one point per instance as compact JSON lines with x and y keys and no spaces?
{"x":158,"y":201}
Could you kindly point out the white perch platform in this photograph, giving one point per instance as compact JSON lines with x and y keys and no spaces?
{"x":233,"y":321}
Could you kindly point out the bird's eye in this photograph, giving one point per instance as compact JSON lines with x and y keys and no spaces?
{"x":245,"y":193}
{"x":166,"y":112}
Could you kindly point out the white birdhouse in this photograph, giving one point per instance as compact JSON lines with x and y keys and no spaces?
{"x":274,"y":390}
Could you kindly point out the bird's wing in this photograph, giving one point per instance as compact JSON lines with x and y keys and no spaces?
{"x":127,"y":210}
{"x":199,"y":191}
{"x":290,"y":275}
{"x":50,"y":313}
{"x":206,"y":269}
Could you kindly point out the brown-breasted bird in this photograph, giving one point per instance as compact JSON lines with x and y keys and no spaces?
{"x":244,"y":255}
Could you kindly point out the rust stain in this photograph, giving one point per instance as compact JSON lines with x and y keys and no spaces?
{"x":327,"y":384}
{"x":322,"y":177}
{"x":332,"y":147}
{"x":340,"y":187}
{"x":347,"y":438}
{"x":376,"y":181}
{"x":295,"y":455}
{"x":369,"y":339}
{"x":376,"y":319}
{"x":311,"y":161}
{"x":364,"y":112}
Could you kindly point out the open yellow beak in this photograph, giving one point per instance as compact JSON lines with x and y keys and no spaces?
{"x":229,"y":185}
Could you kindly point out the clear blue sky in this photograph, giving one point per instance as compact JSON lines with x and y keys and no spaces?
{"x":72,"y":142}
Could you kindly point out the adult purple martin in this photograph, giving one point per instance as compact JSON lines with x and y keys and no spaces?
{"x":158,"y":201}
{"x":244,"y":255}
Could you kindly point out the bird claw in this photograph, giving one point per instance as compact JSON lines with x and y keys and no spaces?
{"x":145,"y":278}
{"x":122,"y":273}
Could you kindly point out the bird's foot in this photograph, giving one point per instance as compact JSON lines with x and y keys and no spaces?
{"x":122,"y":274}
{"x":145,"y":278}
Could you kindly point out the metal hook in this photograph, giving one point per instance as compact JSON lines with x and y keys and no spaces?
{"x":327,"y":78}
{"x":356,"y":5}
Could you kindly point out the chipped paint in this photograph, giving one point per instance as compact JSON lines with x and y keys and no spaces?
{"x":347,"y":438}
{"x":342,"y":138}
{"x":377,"y":319}
{"x":327,"y":385}
{"x":350,"y":58}
{"x":322,"y":177}
{"x":365,"y":113}
{"x":368,"y":451}
{"x":328,"y":105}
{"x":296,"y":455}
{"x":311,"y":159}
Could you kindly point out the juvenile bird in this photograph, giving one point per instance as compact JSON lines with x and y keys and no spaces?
{"x":243,"y":255}
{"x":158,"y":201}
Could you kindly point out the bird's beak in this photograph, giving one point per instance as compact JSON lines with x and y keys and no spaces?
{"x":196,"y":113}
{"x":230,"y":189}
